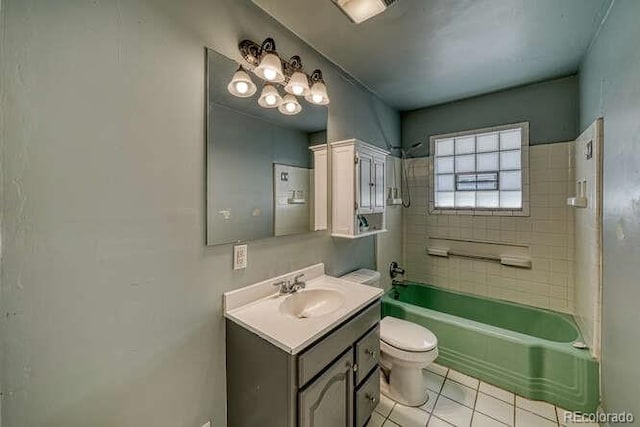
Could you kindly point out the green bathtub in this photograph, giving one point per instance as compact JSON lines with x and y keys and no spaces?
{"x":522,"y":349}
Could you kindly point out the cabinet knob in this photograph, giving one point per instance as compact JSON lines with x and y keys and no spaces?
{"x":372,"y":399}
{"x":371,"y":353}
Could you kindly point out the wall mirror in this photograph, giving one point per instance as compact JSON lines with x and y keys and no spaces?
{"x":262,"y":180}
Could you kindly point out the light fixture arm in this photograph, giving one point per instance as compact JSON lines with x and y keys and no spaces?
{"x":316,"y":76}
{"x":295,"y":63}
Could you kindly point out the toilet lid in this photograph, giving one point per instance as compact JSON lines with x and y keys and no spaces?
{"x":406,"y":335}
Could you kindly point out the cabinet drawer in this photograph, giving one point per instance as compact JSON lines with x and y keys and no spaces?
{"x":367,"y":398}
{"x":315,"y":359}
{"x":367,"y":353}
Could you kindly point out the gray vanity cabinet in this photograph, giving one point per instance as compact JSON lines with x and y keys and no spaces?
{"x":333,"y":382}
{"x":328,"y":401}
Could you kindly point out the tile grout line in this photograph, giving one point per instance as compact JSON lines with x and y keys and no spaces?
{"x":475,"y":402}
{"x":444,"y":378}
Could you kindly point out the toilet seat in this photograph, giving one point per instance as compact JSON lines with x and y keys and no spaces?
{"x":406,"y":336}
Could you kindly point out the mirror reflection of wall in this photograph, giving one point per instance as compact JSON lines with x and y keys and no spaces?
{"x":247,"y":149}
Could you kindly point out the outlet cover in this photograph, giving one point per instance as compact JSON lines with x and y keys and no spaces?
{"x":239,"y":257}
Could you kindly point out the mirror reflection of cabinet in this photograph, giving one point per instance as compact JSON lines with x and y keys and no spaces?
{"x":319,"y":183}
{"x":357,"y":189}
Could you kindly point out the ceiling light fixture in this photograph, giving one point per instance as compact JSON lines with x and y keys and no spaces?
{"x":241,"y":84}
{"x":270,"y":97}
{"x":359,"y":11}
{"x":265,"y":63}
{"x":290,"y":105}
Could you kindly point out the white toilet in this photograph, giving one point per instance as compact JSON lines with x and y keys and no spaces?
{"x":405,"y":347}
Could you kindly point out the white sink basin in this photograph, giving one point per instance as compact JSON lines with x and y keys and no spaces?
{"x":312,"y":303}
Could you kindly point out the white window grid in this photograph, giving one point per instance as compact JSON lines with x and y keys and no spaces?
{"x":524,"y":170}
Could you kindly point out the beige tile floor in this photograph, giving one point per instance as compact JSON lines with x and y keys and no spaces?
{"x":456,"y":399}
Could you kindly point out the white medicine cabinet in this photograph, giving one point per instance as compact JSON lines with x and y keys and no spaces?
{"x":357,"y":188}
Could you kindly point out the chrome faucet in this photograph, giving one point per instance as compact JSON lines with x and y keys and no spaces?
{"x":289,"y":287}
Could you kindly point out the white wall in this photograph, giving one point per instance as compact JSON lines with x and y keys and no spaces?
{"x":548,"y":232}
{"x":609,"y":88}
{"x":588,"y":241}
{"x":111,"y":303}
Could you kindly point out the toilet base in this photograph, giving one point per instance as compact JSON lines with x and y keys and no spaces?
{"x":410,"y":381}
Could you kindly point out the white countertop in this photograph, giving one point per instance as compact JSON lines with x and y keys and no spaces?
{"x":257,"y":308}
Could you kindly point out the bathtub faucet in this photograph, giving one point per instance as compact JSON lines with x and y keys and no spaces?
{"x":400,"y":283}
{"x":395,"y":270}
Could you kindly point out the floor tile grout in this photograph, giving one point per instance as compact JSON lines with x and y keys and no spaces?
{"x":431,"y":414}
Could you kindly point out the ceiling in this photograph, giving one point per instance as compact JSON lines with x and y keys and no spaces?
{"x":426,"y":52}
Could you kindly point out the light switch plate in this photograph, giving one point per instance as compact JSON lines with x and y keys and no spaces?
{"x":207,"y":424}
{"x":239,"y":257}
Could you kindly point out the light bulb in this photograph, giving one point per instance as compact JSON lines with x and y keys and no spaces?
{"x":297,"y":90}
{"x":291,"y":107}
{"x":270,"y":74}
{"x":242,"y":87}
{"x":270,"y":100}
{"x":317,"y":98}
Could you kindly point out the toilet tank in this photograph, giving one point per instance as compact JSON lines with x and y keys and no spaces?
{"x":363,"y":276}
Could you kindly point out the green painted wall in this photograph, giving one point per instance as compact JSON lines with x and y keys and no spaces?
{"x":551,"y":107}
{"x":111,"y":303}
{"x":610,"y":87}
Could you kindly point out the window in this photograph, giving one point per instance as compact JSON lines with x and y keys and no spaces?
{"x":480,"y":169}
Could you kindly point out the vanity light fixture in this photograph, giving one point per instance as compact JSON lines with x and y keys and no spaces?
{"x":265,"y":63}
{"x":241,"y":84}
{"x":318,"y":92}
{"x":290,"y":105}
{"x":270,"y":97}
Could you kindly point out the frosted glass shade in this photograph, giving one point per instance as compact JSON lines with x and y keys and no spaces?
{"x":241,"y":85}
{"x":289,"y":105}
{"x":318,"y":94}
{"x":270,"y":68}
{"x":269,"y":98}
{"x":298,"y":84}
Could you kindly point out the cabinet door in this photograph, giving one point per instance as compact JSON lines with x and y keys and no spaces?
{"x":365,"y":166}
{"x":328,"y":401}
{"x":378,"y":184}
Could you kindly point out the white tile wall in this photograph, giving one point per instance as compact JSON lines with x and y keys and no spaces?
{"x":548,"y":231}
{"x":389,"y":245}
{"x":588,"y":289}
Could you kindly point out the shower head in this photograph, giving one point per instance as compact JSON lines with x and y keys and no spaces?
{"x":412,"y":149}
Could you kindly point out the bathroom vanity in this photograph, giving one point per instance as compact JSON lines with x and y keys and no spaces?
{"x":309,"y":358}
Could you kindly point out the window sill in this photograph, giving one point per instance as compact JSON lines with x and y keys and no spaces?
{"x":482,"y":212}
